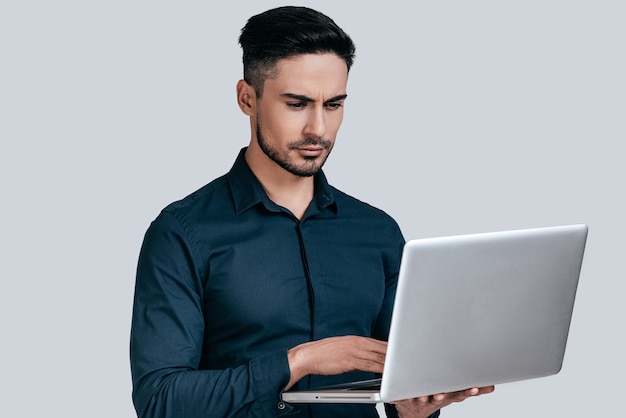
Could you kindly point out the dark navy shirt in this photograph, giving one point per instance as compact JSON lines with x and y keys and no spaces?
{"x":228,"y":281}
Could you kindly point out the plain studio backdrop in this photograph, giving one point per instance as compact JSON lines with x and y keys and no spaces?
{"x":462,"y":117}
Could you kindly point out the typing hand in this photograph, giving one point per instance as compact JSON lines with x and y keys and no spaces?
{"x":336,"y":355}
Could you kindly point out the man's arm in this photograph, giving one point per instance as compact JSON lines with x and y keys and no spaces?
{"x":167,"y":337}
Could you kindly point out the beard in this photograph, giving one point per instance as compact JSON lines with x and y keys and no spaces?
{"x":310,"y":167}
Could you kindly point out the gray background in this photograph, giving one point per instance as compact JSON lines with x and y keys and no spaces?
{"x":462,"y":117}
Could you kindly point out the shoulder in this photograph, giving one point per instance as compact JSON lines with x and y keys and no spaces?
{"x":181,"y":224}
{"x":212,"y":197}
{"x":364,"y":216}
{"x":350,"y":205}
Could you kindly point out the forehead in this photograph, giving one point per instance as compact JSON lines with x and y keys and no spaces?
{"x":309,"y":74}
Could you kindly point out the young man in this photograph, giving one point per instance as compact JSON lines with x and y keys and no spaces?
{"x":269,"y":278}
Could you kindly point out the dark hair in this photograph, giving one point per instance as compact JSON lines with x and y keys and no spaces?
{"x":285,"y":32}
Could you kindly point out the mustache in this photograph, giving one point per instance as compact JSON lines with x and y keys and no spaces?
{"x":324,"y":143}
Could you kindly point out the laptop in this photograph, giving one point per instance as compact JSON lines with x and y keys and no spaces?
{"x":471,"y":311}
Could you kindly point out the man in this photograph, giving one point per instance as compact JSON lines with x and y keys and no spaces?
{"x":268,"y":278}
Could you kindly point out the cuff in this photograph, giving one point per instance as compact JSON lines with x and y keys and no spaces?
{"x":270,"y":375}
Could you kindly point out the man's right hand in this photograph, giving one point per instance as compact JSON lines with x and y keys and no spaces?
{"x":336,"y":355}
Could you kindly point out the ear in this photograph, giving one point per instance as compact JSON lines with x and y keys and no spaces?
{"x":246,"y":97}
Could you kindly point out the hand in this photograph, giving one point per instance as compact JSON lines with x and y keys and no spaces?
{"x":424,"y":406}
{"x":336,"y":355}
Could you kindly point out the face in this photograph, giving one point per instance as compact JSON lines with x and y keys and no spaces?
{"x":300,"y":112}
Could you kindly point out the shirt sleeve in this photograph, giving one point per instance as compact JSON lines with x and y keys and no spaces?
{"x":391,"y":256}
{"x":166,"y":342}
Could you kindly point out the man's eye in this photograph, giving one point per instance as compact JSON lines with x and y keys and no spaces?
{"x":297,"y":105}
{"x":334,"y":106}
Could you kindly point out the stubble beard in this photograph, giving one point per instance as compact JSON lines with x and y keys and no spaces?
{"x":309,"y":168}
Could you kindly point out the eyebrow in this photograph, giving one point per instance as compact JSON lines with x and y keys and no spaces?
{"x":307,"y":99}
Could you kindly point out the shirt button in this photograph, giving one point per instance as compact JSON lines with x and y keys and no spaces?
{"x":281,"y":405}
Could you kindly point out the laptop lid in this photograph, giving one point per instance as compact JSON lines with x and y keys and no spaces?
{"x":475,"y":310}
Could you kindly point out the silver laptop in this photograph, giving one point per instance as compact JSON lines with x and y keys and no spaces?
{"x":471,"y":311}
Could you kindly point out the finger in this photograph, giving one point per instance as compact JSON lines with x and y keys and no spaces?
{"x":371,"y":344}
{"x":438,"y":398}
{"x":357,"y":344}
{"x":371,"y":353}
{"x":373,"y":359}
{"x":478,"y":390}
{"x":370,"y":361}
{"x":467,"y":393}
{"x":472,"y":392}
{"x":461,"y":395}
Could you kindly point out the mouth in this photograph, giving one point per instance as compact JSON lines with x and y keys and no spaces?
{"x":311,"y":148}
{"x":310,"y":151}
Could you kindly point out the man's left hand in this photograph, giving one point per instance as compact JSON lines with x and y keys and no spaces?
{"x":424,"y":406}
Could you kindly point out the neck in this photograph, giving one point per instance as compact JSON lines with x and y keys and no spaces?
{"x":282,"y":187}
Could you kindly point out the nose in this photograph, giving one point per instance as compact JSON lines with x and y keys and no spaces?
{"x":316,"y":123}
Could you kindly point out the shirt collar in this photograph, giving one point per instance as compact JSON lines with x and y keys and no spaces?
{"x":247,"y":191}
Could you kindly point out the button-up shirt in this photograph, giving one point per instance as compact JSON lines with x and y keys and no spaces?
{"x":228,"y":281}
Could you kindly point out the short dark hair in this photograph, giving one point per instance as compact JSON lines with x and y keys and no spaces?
{"x":285,"y":32}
